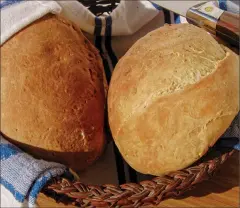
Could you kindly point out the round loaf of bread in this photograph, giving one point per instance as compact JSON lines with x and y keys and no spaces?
{"x":171,"y":96}
{"x":52,"y":93}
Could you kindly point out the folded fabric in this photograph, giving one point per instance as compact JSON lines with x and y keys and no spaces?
{"x":22,"y":176}
{"x":16,"y":14}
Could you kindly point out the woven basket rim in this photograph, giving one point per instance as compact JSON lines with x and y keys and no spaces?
{"x":149,"y":192}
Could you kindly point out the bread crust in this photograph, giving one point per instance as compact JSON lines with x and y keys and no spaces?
{"x":52,"y":93}
{"x":163,"y":118}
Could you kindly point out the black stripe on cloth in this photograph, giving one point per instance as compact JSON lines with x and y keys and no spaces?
{"x":98,"y":40}
{"x":167,"y":16}
{"x":120,"y":165}
{"x":120,"y":162}
{"x":132,"y":175}
{"x":118,"y":158}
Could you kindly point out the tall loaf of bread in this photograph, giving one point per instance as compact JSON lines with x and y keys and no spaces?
{"x":52,"y":93}
{"x":171,"y":96}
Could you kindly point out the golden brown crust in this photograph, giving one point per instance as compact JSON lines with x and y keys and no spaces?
{"x":52,"y":94}
{"x":179,"y":93}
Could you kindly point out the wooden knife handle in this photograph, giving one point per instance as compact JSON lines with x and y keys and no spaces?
{"x":228,"y":28}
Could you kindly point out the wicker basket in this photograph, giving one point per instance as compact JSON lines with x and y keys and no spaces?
{"x":146,"y":193}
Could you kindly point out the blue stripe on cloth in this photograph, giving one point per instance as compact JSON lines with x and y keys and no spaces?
{"x":98,"y":26}
{"x":108,"y":41}
{"x":22,"y":175}
{"x":98,"y":40}
{"x":17,"y":195}
{"x":8,"y":150}
{"x":223,"y":4}
{"x":177,"y":19}
{"x":156,"y":6}
{"x":38,"y":185}
{"x":237,"y":146}
{"x":9,"y":2}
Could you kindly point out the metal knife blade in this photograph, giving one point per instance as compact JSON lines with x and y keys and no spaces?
{"x":206,"y":15}
{"x":179,"y":7}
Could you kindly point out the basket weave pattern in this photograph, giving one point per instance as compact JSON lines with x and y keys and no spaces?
{"x":150,"y":192}
{"x":146,"y":193}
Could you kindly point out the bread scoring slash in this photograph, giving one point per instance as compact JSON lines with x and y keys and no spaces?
{"x":52,"y":93}
{"x":172,"y":95}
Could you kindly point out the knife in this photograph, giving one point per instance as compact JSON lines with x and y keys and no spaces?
{"x":207,"y":15}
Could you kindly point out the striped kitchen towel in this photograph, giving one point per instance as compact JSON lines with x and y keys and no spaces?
{"x":22,"y":176}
